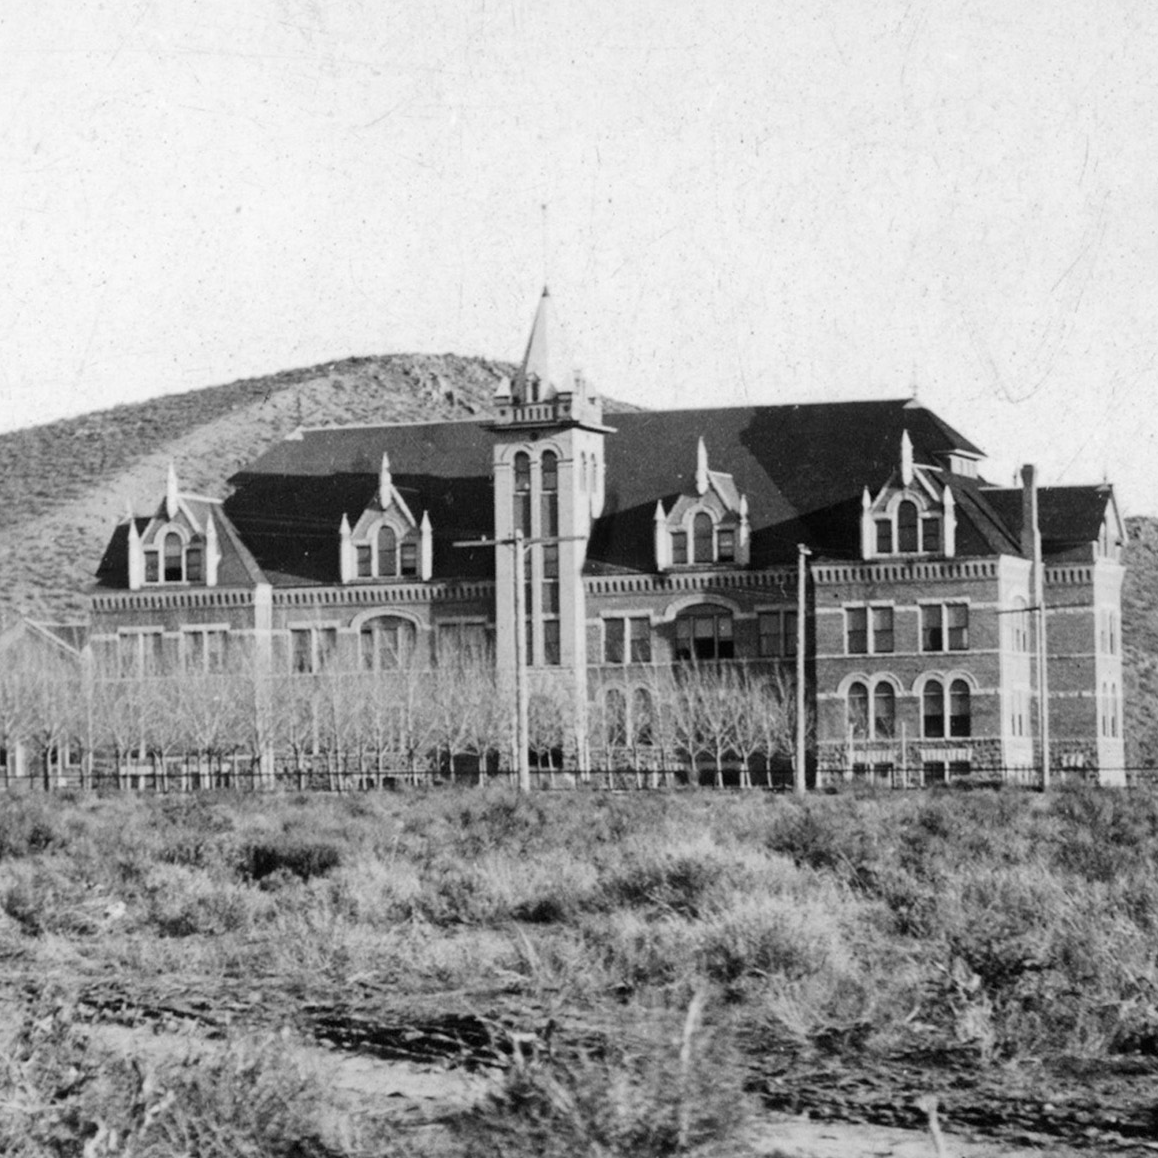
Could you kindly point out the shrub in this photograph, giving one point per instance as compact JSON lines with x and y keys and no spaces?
{"x":303,"y":861}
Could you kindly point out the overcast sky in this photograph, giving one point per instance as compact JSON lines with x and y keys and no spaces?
{"x":759,"y":202}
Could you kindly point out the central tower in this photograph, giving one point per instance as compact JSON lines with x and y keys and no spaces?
{"x":548,"y":483}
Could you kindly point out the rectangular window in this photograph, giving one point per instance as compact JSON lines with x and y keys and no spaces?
{"x":194,"y":557}
{"x":613,"y":641}
{"x":679,"y":546}
{"x":640,"y":640}
{"x":726,"y":545}
{"x":884,"y":536}
{"x":857,"y":630}
{"x":777,"y":633}
{"x":462,"y":641}
{"x":945,"y":627}
{"x":882,"y":630}
{"x":957,"y":625}
{"x":364,"y":561}
{"x":932,"y":634}
{"x":934,"y":771}
{"x":409,"y":559}
{"x":194,"y":651}
{"x":931,"y":534}
{"x":551,"y":653}
{"x":549,"y":514}
{"x":152,"y":571}
{"x":301,"y":651}
{"x":523,"y":512}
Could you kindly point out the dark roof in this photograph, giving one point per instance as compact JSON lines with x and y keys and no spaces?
{"x":1069,"y":516}
{"x":802,"y":467}
{"x":113,"y":569}
{"x":288,"y":505}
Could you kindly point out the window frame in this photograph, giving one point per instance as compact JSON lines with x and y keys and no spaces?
{"x":633,"y":639}
{"x":954,"y":724}
{"x":944,"y":627}
{"x":869,"y":721}
{"x":871,"y":632}
{"x":702,"y":612}
{"x":780,"y":642}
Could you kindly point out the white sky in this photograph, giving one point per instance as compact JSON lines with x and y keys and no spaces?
{"x":749,"y":202}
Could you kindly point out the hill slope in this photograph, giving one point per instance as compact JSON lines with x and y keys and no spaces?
{"x":1140,"y":642}
{"x":64,"y":486}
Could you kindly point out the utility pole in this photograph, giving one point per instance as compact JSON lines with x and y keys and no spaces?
{"x":801,"y":603}
{"x":519,"y":544}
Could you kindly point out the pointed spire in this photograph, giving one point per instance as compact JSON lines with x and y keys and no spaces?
{"x":136,"y":556}
{"x":385,"y":482}
{"x":866,"y":525}
{"x":662,"y":540}
{"x":346,"y":559}
{"x":949,"y":504}
{"x":171,"y":496}
{"x":743,"y":551}
{"x":906,"y":458}
{"x":426,"y":547}
{"x":547,"y":367}
{"x":132,"y":518}
{"x":212,"y":550}
{"x":701,"y":468}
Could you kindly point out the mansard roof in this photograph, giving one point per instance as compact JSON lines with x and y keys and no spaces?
{"x":1070,"y":516}
{"x":801,"y":467}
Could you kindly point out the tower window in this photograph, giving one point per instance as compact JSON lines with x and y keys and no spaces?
{"x":387,"y":553}
{"x":702,"y":538}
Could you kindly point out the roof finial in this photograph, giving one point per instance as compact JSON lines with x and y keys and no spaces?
{"x":906,"y":458}
{"x":385,"y":482}
{"x":701,"y":468}
{"x":171,"y":497}
{"x":914,"y":385}
{"x":546,"y":250}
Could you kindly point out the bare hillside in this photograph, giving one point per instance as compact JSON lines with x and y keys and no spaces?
{"x":63,"y":486}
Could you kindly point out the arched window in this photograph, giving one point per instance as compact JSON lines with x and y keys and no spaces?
{"x":522,"y":510}
{"x":1113,"y":711}
{"x":642,"y":718}
{"x":387,"y":553}
{"x":1020,"y":622}
{"x":705,"y":633}
{"x":884,"y":711}
{"x":907,"y":523}
{"x":960,"y":723}
{"x":933,"y":710}
{"x":174,"y":552}
{"x":615,"y":718}
{"x":858,"y":709}
{"x":385,"y":643}
{"x":549,"y":481}
{"x":583,"y":470}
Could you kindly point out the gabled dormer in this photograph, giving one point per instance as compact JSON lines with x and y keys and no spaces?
{"x":179,"y":545}
{"x":705,"y":527}
{"x":914,"y":513}
{"x":386,"y":542}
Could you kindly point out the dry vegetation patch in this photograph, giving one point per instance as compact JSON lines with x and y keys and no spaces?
{"x":569,"y":939}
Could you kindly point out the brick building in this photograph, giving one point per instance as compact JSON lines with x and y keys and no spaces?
{"x":657,"y":538}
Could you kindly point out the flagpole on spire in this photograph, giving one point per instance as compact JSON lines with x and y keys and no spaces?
{"x":546,"y":248}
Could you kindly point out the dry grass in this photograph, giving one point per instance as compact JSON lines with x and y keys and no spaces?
{"x":1008,"y":925}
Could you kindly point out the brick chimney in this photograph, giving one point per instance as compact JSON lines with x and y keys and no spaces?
{"x":1029,"y":522}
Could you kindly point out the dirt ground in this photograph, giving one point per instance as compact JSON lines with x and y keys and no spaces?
{"x":419,"y":1097}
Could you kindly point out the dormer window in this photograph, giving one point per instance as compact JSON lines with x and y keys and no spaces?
{"x":702,"y":538}
{"x":174,"y":561}
{"x":387,"y":553}
{"x":907,"y":530}
{"x":384,"y":557}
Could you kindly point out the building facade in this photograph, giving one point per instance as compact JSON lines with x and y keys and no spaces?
{"x":657,"y":542}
